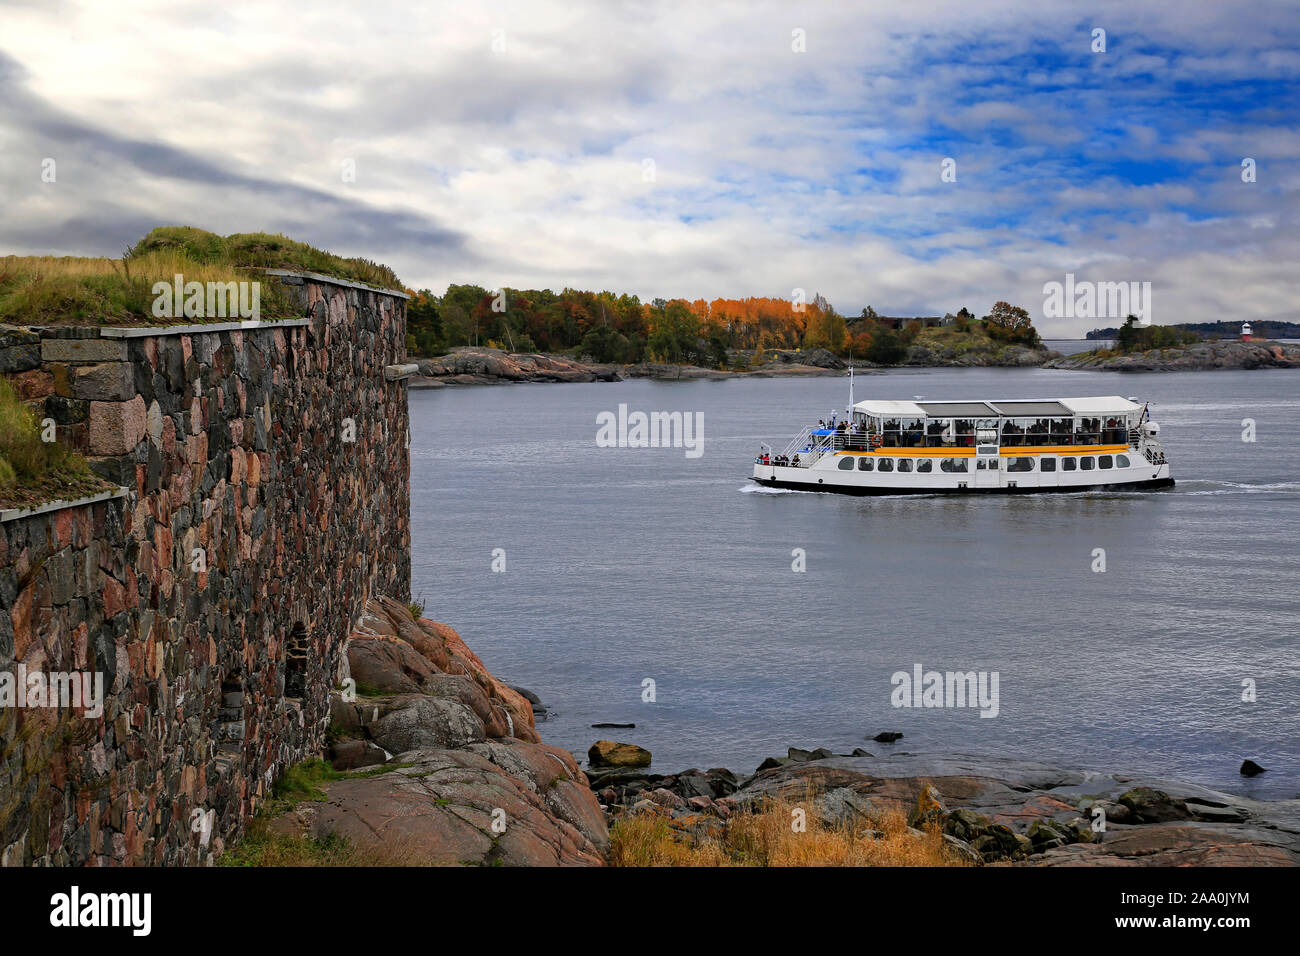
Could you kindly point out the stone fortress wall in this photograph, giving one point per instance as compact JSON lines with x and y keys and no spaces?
{"x":264,"y":500}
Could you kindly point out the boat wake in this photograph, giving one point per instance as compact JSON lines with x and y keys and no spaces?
{"x":764,"y":490}
{"x":1204,"y":486}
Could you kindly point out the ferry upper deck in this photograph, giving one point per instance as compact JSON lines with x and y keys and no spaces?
{"x":1051,"y":423}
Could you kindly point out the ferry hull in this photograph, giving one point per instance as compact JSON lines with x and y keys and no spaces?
{"x":1149,"y":484}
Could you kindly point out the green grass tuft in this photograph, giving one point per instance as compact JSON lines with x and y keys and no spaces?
{"x":33,"y":471}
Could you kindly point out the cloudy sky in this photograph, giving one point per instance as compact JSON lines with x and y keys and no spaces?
{"x":693,"y":150}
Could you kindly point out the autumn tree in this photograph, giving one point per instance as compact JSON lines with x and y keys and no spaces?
{"x":1010,"y":323}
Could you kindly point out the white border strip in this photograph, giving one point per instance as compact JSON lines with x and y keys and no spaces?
{"x":13,"y":514}
{"x":247,"y":325}
{"x":318,"y":277}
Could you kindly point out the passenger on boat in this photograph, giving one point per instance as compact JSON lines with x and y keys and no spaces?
{"x":795,"y":460}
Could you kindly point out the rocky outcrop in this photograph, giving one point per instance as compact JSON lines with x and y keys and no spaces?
{"x":990,"y":354}
{"x":491,"y":803}
{"x":484,"y":366}
{"x":608,"y":753}
{"x":392,"y":653}
{"x":1202,"y":356}
{"x":444,"y":761}
{"x":990,"y":810}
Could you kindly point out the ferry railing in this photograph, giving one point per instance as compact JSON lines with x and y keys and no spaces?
{"x":801,"y":445}
{"x":810,"y":447}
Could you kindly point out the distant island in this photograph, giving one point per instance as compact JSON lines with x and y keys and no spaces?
{"x":472,"y":336}
{"x":722,"y":334}
{"x":1227,"y":329}
{"x":677,"y":340}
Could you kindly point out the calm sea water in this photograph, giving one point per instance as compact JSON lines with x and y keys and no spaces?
{"x":1074,"y":346}
{"x":628,"y":564}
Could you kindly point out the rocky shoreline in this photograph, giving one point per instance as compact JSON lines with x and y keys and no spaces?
{"x":441,"y":761}
{"x":990,"y":810}
{"x":485,"y":366}
{"x":1202,"y":356}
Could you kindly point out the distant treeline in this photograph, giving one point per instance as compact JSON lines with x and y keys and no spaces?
{"x":1269,"y":330}
{"x":609,"y":327}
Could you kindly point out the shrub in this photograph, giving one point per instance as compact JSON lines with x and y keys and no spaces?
{"x":886,"y":349}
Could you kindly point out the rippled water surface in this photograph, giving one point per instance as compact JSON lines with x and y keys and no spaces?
{"x":627,"y":564}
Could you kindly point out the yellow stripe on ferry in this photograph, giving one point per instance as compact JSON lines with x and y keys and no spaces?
{"x":1023,"y":451}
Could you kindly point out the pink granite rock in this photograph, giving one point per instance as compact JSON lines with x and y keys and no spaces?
{"x":116,"y":427}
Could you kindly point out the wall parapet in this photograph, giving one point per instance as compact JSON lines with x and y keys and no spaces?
{"x":13,"y":514}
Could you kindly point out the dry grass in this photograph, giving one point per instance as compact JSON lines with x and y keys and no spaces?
{"x":767,"y":838}
{"x":69,"y":290}
{"x":73,"y":290}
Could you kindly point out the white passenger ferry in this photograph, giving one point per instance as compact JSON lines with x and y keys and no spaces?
{"x":923,"y":447}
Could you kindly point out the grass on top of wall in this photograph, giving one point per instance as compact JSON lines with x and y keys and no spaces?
{"x":34,"y":471}
{"x":74,"y":290}
{"x":264,"y":250}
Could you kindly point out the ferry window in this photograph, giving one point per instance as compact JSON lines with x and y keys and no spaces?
{"x":846,"y":463}
{"x":1067,"y":464}
{"x":953,"y":465}
{"x":904,"y":464}
{"x":865,"y":464}
{"x":1049,"y":464}
{"x":1121,"y":461}
{"x":886,"y":464}
{"x":1060,"y":431}
{"x":1105,"y":461}
{"x":1020,"y":464}
{"x":1087,"y":463}
{"x":925,"y":464}
{"x":938,"y":432}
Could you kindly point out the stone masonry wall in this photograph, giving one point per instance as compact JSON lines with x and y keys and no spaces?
{"x":268,"y":501}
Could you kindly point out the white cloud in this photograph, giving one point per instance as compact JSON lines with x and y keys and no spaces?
{"x":773,"y":169}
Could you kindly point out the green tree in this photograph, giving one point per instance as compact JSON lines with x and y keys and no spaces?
{"x":603,"y":344}
{"x":1127,"y":337}
{"x":886,"y":348}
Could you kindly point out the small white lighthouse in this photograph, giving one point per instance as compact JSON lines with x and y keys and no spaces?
{"x":1245,"y":331}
